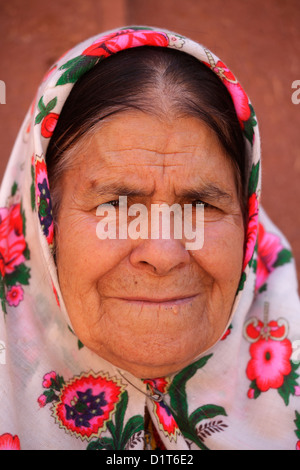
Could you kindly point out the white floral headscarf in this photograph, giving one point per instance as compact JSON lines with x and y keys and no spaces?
{"x":56,"y":394}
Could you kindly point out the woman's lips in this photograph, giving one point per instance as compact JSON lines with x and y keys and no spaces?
{"x":168,"y":302}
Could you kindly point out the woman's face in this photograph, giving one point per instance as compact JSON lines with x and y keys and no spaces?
{"x":149,"y":306}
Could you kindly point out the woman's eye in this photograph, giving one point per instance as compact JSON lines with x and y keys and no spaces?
{"x":105,"y":206}
{"x":205,"y":204}
{"x":114,"y":203}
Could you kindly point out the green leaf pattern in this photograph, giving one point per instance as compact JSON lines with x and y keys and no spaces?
{"x":188,"y":422}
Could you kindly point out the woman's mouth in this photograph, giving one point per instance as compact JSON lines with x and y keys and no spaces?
{"x":164,"y":301}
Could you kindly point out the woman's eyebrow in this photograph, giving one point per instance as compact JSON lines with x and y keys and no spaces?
{"x":209,"y":191}
{"x":104,"y":189}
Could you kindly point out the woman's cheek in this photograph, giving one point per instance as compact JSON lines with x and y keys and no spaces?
{"x":222,"y":252}
{"x":99,"y":257}
{"x":79,"y":243}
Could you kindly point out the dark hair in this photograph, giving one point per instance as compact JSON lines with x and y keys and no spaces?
{"x":154,"y":80}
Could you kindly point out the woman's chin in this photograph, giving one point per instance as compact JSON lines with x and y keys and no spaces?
{"x":145,"y":360}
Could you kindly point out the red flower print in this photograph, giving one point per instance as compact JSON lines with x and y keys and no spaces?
{"x":223,"y":71}
{"x":14,"y":296}
{"x":270,"y":363}
{"x":298,"y":445}
{"x":46,"y":117}
{"x":268,"y":248}
{"x":256,"y":329}
{"x":166,"y":421}
{"x":48,"y":124}
{"x":12,"y":241}
{"x":125,"y":39}
{"x":86,"y":404}
{"x":161,"y":384}
{"x":9,"y":442}
{"x":252,"y":229}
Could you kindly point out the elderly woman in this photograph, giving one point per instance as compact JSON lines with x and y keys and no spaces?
{"x":138,"y":342}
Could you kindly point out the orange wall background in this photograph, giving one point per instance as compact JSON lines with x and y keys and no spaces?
{"x":260,"y":41}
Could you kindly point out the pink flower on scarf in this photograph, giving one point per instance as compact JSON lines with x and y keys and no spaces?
{"x":12,"y":241}
{"x":252,"y":229}
{"x":268,"y":248}
{"x":42,"y":401}
{"x":238,"y":95}
{"x":48,"y":378}
{"x":240,"y":101}
{"x":14,"y":296}
{"x":270,"y":363}
{"x":9,"y":442}
{"x":125,"y":39}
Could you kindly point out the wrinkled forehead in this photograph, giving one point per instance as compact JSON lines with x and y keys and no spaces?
{"x":182,"y":159}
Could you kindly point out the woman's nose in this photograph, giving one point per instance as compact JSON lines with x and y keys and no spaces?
{"x":159,"y":256}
